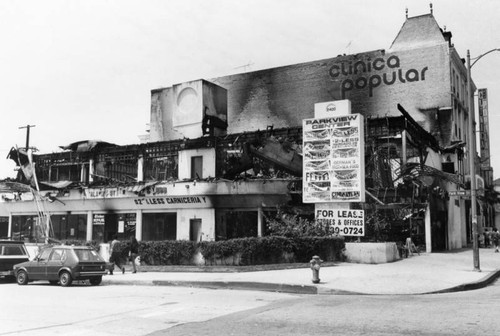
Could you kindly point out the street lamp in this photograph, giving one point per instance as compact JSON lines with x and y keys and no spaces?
{"x":472,"y":160}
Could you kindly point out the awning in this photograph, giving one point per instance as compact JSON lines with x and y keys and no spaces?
{"x":58,"y":184}
{"x":14,"y":187}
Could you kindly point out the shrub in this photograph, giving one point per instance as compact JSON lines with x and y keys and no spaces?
{"x":288,"y":224}
{"x":328,"y":248}
{"x":220,"y":250}
{"x":167,"y":252}
{"x":272,"y":249}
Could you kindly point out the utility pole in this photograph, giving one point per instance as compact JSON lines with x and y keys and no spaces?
{"x":27,"y":135}
{"x":472,"y":173}
{"x":472,"y":154}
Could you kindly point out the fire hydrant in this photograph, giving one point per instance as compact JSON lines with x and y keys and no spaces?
{"x":315,"y":266}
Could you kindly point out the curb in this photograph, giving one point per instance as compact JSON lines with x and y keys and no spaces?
{"x":229,"y":268}
{"x":289,"y":288}
{"x":236,"y":285}
{"x":242,"y":285}
{"x":487,"y":280}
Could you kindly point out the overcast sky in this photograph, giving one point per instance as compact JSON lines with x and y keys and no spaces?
{"x":84,"y":69}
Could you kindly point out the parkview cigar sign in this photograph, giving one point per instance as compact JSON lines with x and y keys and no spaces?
{"x":333,"y":165}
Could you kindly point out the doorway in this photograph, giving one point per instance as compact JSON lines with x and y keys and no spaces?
{"x":111,"y":227}
{"x":195,"y":233}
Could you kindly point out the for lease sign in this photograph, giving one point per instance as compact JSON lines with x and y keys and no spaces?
{"x":344,"y":222}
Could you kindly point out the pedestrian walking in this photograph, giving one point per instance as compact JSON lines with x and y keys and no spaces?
{"x":495,"y":238}
{"x":486,"y":239}
{"x":134,"y":252}
{"x":115,"y":257}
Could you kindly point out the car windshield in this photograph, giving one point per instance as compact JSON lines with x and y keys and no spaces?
{"x":87,"y":255}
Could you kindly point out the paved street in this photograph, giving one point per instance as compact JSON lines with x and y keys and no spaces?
{"x":41,"y":309}
{"x":463,"y":313}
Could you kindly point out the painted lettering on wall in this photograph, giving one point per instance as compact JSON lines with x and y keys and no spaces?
{"x":171,"y":200}
{"x":102,"y":193}
{"x":371,"y":73}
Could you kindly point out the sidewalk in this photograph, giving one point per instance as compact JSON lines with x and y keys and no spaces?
{"x":418,"y":274}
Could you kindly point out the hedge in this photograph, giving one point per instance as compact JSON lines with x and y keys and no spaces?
{"x":241,"y":251}
{"x":272,"y":249}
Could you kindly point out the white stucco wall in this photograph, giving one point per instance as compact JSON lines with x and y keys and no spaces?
{"x":185,"y":156}
{"x":207,"y":217}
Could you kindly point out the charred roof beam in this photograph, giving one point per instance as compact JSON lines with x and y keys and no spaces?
{"x":418,"y":133}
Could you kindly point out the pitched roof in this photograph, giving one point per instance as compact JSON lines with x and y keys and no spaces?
{"x":417,"y":32}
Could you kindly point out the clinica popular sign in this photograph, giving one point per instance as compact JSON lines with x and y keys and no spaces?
{"x":372,"y":73}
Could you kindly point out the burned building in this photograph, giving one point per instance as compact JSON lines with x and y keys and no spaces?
{"x":224,"y":152}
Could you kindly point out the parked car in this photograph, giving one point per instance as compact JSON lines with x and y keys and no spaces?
{"x":11,"y":252}
{"x":63,"y":264}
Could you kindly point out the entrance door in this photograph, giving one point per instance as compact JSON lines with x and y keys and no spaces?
{"x":111,"y":226}
{"x":195,"y":230}
{"x":439,"y":232}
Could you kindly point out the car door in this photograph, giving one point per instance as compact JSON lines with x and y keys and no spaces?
{"x":37,"y":268}
{"x":54,"y":264}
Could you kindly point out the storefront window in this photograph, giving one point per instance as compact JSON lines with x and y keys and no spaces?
{"x":4,"y":226}
{"x":98,"y":227}
{"x":28,"y":229}
{"x":130,"y":222}
{"x":69,"y":227}
{"x":159,"y":226}
{"x":236,"y":224}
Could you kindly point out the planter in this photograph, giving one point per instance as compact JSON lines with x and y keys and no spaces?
{"x":371,"y":253}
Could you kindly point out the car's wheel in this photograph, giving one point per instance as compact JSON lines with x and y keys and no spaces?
{"x":96,"y":281}
{"x":53,"y":282}
{"x":65,"y":279}
{"x":22,"y":278}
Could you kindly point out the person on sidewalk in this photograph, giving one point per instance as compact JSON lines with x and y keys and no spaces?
{"x":495,"y":238}
{"x":486,"y":239}
{"x":115,"y":257}
{"x":134,"y":252}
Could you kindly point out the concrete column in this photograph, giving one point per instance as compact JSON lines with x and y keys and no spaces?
{"x":260,"y":222}
{"x":9,"y":230}
{"x":138,"y":225}
{"x":428,"y":230}
{"x":82,"y":174}
{"x":140,"y":169}
{"x":90,"y":222}
{"x":91,"y":170}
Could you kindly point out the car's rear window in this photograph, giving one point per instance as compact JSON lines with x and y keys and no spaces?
{"x":87,"y":255}
{"x":12,"y":250}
